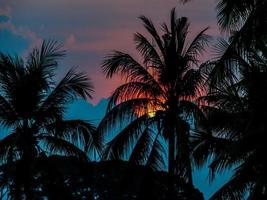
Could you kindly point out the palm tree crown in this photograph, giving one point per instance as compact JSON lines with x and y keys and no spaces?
{"x":155,"y":101}
{"x":32,"y":107}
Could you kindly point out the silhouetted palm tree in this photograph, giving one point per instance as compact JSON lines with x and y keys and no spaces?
{"x":156,"y":99}
{"x":232,"y":15}
{"x":245,"y":20}
{"x":32,"y":107}
{"x":237,"y":119}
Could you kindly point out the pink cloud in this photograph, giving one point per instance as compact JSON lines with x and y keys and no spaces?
{"x":109,"y":40}
{"x":5,"y":11}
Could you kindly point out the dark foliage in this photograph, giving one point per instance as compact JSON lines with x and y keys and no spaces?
{"x":32,"y":107}
{"x":59,"y":177}
{"x":236,"y":111}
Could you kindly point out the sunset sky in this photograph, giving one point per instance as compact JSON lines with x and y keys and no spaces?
{"x":90,"y":29}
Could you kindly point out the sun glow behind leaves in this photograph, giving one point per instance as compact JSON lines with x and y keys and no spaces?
{"x":151,"y":108}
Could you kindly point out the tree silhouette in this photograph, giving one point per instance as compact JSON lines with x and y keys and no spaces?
{"x":232,"y":15}
{"x":156,"y":100}
{"x":237,"y":119}
{"x":32,"y":107}
{"x":69,"y":178}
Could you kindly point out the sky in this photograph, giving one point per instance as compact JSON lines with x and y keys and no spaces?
{"x":89,"y":30}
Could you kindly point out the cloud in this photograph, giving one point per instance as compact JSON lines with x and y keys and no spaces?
{"x":70,"y":41}
{"x":20,"y":32}
{"x":4,"y":14}
{"x":5,"y":10}
{"x":13,"y":36}
{"x":3,"y":18}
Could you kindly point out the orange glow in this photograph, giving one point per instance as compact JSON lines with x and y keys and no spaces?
{"x":151,"y":111}
{"x":158,"y":104}
{"x":152,"y":108}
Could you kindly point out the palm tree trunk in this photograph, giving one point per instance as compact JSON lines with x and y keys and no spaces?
{"x":170,"y":126}
{"x":170,"y":133}
{"x":27,"y":160}
{"x":171,"y":164}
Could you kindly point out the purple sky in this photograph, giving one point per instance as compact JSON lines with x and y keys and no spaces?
{"x":91,"y":28}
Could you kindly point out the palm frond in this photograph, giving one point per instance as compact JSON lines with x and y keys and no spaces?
{"x":134,"y":90}
{"x":11,"y":70}
{"x":232,"y":13}
{"x":142,"y":148}
{"x":192,"y":84}
{"x":71,"y":87}
{"x":7,"y":148}
{"x":121,"y":144}
{"x":157,"y":155}
{"x":202,"y":147}
{"x":226,"y":66}
{"x":209,"y":146}
{"x":79,"y":132}
{"x":45,"y":59}
{"x":182,"y":26}
{"x":191,"y":108}
{"x":226,"y":124}
{"x":149,"y":26}
{"x":197,"y":46}
{"x":124,"y":64}
{"x":236,"y":188}
{"x":55,"y":145}
{"x":122,"y":113}
{"x":147,"y":49}
{"x":8,"y":115}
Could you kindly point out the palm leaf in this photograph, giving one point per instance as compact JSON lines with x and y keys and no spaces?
{"x":121,"y":144}
{"x":197,"y":46}
{"x":44,"y":60}
{"x":192,"y":84}
{"x":148,"y":51}
{"x":181,"y":29}
{"x":55,"y":145}
{"x":79,"y":132}
{"x":156,"y":159}
{"x":7,"y":148}
{"x":134,"y":90}
{"x":122,"y":113}
{"x":149,"y":26}
{"x":72,"y":86}
{"x":141,"y":150}
{"x":230,"y":12}
{"x":8,"y":116}
{"x":125,"y":65}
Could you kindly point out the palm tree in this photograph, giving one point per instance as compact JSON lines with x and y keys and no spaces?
{"x":32,"y":108}
{"x":232,"y":15}
{"x":236,"y":110}
{"x":156,"y":100}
